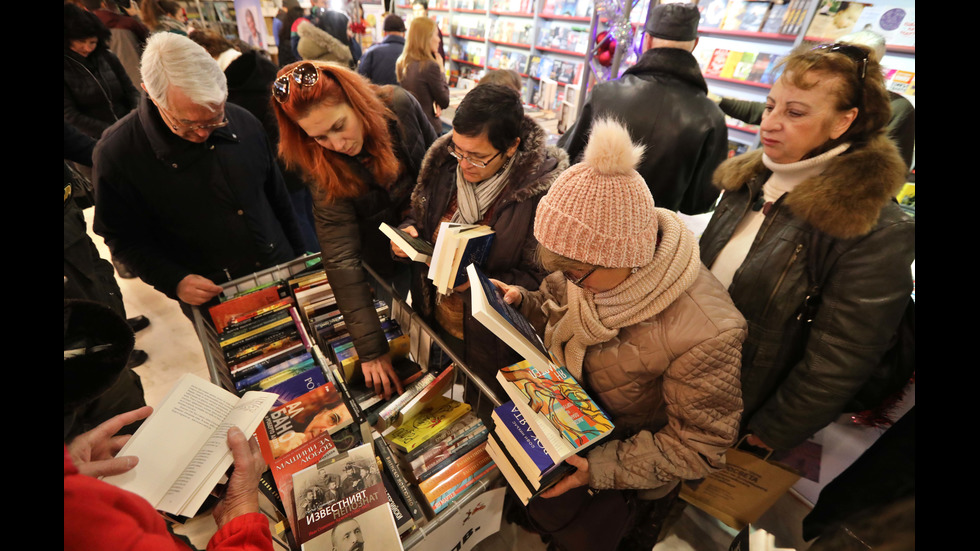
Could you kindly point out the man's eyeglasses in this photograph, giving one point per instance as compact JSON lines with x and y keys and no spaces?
{"x":306,"y":74}
{"x":459,"y":157}
{"x":577,"y":281}
{"x":857,"y":55}
{"x":218,"y":122}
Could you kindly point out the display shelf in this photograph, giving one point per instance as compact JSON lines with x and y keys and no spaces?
{"x":469,"y":37}
{"x":510,"y":44}
{"x":466,"y":385}
{"x":559,"y":51}
{"x":512,"y":14}
{"x":777,"y":37}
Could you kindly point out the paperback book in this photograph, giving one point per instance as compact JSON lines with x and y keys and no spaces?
{"x":183,"y":446}
{"x":344,"y":499}
{"x":439,"y":414}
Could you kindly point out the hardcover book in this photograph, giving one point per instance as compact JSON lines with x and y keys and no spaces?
{"x":344,"y":499}
{"x":457,"y":246}
{"x":183,"y":446}
{"x":221,"y":313}
{"x":390,"y":465}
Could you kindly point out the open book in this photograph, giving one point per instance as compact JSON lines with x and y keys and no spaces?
{"x":560,"y":412}
{"x":183,"y":446}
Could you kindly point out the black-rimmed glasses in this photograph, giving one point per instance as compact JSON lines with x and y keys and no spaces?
{"x":857,"y":55}
{"x":460,"y":157}
{"x":306,"y":74}
{"x":580,"y":280}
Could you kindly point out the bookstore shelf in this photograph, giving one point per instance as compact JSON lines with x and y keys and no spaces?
{"x":463,"y":379}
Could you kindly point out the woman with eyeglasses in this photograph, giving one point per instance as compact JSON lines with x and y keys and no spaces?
{"x":817,"y":197}
{"x":491,"y":169}
{"x":419,"y":69}
{"x":649,"y":333}
{"x":360,"y":147}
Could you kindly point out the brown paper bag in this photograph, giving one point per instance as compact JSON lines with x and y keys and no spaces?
{"x":741,"y":492}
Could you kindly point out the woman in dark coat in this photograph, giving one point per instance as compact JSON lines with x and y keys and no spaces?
{"x":361,"y":146}
{"x":98,"y":92}
{"x":821,"y":187}
{"x":492,"y":169}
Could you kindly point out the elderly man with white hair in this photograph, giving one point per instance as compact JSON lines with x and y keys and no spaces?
{"x":189,"y":194}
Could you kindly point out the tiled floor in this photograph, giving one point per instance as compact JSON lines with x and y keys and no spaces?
{"x":174,"y":349}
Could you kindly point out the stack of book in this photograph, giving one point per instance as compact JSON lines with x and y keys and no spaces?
{"x":456,"y":246}
{"x":442,"y":447}
{"x":556,"y":413}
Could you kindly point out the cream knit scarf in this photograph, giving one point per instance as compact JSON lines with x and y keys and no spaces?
{"x":589,"y":318}
{"x":473,"y":200}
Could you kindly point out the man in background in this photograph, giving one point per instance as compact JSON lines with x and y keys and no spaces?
{"x":378,"y":63}
{"x":662,"y":100}
{"x":189,"y":191}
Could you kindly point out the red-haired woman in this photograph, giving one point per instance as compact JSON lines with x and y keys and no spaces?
{"x":361,"y":147}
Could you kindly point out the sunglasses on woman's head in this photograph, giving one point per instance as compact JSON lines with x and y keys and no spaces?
{"x":857,"y":55}
{"x":306,"y":74}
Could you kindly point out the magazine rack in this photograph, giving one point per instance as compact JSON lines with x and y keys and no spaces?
{"x":420,"y":335}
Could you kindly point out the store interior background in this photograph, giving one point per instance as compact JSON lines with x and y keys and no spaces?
{"x":174,"y":349}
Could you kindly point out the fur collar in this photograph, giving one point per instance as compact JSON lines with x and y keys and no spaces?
{"x":845,"y":200}
{"x":529,"y":175}
{"x":319,"y":44}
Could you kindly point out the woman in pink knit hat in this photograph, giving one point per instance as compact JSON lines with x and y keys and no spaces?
{"x":647,"y":330}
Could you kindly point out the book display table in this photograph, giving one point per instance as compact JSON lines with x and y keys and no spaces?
{"x":466,"y":387}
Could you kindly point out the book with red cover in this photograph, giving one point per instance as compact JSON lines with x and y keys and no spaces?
{"x":322,"y":410}
{"x":436,"y":485}
{"x":221,"y":313}
{"x":283,"y":467}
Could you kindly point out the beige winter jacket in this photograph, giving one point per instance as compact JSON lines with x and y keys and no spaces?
{"x":670,"y":384}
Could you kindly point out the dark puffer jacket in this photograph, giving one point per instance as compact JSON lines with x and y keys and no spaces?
{"x":663,"y":102}
{"x":98,"y":92}
{"x":851,"y":204}
{"x":348,"y":228}
{"x":512,"y":255}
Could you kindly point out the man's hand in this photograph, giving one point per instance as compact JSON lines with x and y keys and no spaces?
{"x":410,"y":230}
{"x":379,"y":375}
{"x":242,"y":492}
{"x":94,"y":452}
{"x":196,"y":290}
{"x":574,"y":480}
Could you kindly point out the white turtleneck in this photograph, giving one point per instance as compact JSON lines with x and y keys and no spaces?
{"x":785,"y":177}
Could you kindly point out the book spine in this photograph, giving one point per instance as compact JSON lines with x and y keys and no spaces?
{"x":298,"y":364}
{"x":414,"y":508}
{"x":445,"y":499}
{"x":434,"y":454}
{"x":427,"y":424}
{"x":453,"y":472}
{"x":464,"y":424}
{"x":390,"y":412}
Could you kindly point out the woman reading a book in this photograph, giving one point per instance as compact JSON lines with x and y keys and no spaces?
{"x":647,"y":331}
{"x":361,"y":147}
{"x":814,"y":209}
{"x":491,"y":170}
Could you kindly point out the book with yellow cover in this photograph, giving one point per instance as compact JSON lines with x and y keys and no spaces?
{"x":439,"y":414}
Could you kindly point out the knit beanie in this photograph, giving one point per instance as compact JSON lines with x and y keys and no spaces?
{"x":600,"y":211}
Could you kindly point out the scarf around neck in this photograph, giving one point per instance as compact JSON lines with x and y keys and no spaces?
{"x":593,"y":318}
{"x":474,"y":200}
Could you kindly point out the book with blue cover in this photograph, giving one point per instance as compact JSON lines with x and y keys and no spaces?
{"x":524,"y":446}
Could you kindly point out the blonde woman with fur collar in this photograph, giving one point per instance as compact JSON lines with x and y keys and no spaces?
{"x":653,"y":337}
{"x":822,"y":186}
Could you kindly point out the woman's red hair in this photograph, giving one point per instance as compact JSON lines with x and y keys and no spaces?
{"x":331,"y":172}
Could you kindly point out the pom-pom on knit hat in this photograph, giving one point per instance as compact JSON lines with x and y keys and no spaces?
{"x":600,"y":211}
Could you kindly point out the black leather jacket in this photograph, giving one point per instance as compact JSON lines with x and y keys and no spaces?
{"x":663,"y":102}
{"x":863,"y":300}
